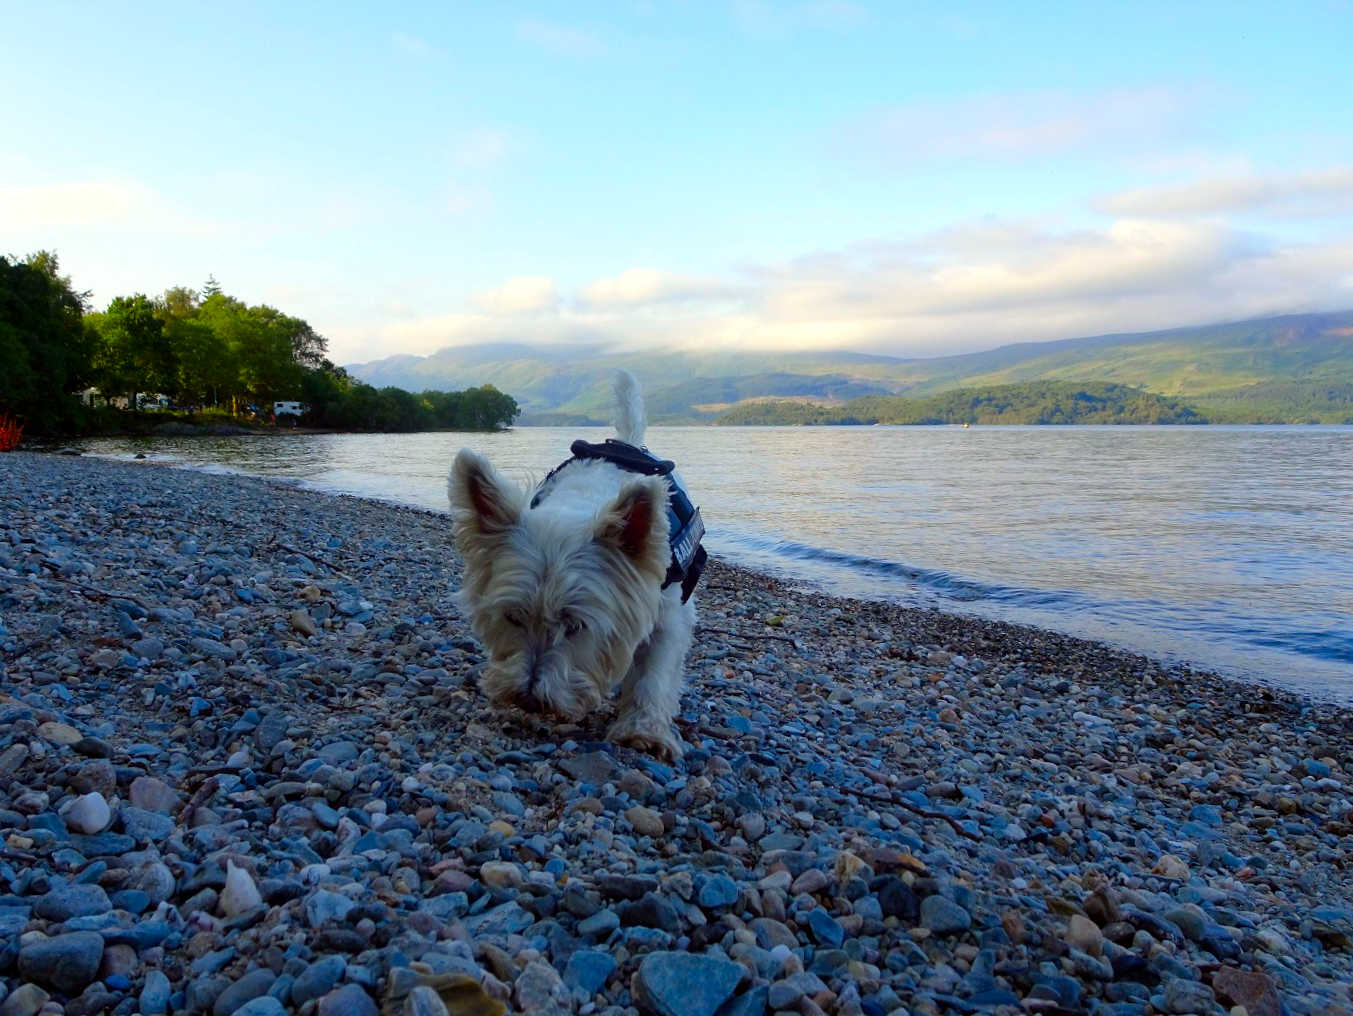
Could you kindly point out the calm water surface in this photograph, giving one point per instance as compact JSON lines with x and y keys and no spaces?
{"x":1230,"y":548}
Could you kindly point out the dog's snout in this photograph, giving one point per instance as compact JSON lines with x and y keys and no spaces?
{"x":527,"y":702}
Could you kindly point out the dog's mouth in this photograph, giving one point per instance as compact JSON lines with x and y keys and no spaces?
{"x":536,"y":697}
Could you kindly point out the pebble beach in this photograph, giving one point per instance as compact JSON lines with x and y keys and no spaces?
{"x":245,"y":768}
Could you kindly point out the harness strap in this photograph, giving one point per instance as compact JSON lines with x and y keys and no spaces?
{"x":626,"y":456}
{"x":685,"y":526}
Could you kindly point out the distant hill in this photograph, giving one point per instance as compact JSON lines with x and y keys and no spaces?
{"x":1050,"y":402}
{"x":1292,"y":369}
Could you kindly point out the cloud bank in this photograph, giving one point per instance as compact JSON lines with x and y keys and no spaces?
{"x":1313,"y":193}
{"x":957,"y":290}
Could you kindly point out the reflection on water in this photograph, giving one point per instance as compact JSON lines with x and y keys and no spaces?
{"x":1227,"y":547}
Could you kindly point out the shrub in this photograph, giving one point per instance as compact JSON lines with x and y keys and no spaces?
{"x":11,"y":431}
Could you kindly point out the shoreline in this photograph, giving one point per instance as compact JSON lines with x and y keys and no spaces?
{"x":1181,"y":659}
{"x":880,"y":807}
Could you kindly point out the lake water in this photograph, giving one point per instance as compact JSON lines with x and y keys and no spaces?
{"x":1227,"y":547}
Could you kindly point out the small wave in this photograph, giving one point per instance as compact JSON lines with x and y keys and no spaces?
{"x":843,"y":568}
{"x":951,"y":586}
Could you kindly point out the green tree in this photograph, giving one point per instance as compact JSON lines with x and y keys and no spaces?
{"x":134,"y":354}
{"x":268,"y":367}
{"x":486,"y":408}
{"x":227,"y":319}
{"x":208,"y":373}
{"x":44,"y":345}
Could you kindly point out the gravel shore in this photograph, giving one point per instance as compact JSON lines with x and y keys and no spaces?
{"x":244,"y":768}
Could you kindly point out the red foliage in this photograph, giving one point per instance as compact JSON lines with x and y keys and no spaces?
{"x":11,"y":431}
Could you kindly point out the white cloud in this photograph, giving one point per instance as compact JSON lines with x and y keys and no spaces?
{"x":648,"y":286}
{"x":1309,"y":193}
{"x":526,"y":294}
{"x":1016,"y":126}
{"x":96,"y":203}
{"x":953,"y":291}
{"x":561,"y":39}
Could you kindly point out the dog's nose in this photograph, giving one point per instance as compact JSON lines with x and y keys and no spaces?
{"x":527,"y":702}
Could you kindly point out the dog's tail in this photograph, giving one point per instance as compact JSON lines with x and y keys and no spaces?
{"x":630,"y":423}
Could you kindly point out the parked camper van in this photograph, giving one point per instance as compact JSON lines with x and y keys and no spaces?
{"x":297,"y":409}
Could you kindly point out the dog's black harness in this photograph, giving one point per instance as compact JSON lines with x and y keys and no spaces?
{"x":685,"y":527}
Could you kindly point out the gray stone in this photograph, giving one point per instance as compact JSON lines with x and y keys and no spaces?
{"x":349,"y":1000}
{"x":145,"y":826}
{"x":153,"y":794}
{"x":93,"y":747}
{"x":155,"y":880}
{"x":685,"y":984}
{"x":507,"y":919}
{"x":1190,"y":918}
{"x":1184,"y":996}
{"x":752,"y":826}
{"x":652,"y":911}
{"x":943,"y":916}
{"x":750,"y":1003}
{"x":103,"y":844}
{"x":216,"y":650}
{"x":787,"y":992}
{"x":317,"y":979}
{"x":587,"y":970}
{"x":148,"y":648}
{"x":826,"y":929}
{"x":281,"y":988}
{"x":201,"y":992}
{"x":339,"y":752}
{"x":24,"y":1000}
{"x":539,"y":991}
{"x":98,"y":777}
{"x":77,"y":900}
{"x":595,"y":767}
{"x":424,"y":1001}
{"x":719,"y":891}
{"x":770,"y":933}
{"x":272,"y":729}
{"x":264,"y":1005}
{"x":254,"y":984}
{"x":155,"y":993}
{"x":323,"y":906}
{"x":446,"y":907}
{"x":67,"y":962}
{"x":600,"y":924}
{"x":87,"y":814}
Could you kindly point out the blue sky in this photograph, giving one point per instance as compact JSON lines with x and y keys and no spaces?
{"x":914,"y":179}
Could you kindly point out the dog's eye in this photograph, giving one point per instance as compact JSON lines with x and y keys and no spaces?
{"x":515,"y":618}
{"x":573,"y":625}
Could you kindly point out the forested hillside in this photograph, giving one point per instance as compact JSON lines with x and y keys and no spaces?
{"x":1044,"y":402}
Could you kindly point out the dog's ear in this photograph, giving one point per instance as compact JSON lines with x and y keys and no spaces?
{"x":482,"y":502}
{"x":636,"y":524}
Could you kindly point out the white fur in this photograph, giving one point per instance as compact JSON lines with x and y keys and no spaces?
{"x":566,"y":597}
{"x":630,"y":422}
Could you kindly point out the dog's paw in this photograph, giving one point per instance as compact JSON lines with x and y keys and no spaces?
{"x":658,"y":740}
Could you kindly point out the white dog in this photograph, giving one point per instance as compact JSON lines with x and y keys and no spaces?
{"x":580,"y":584}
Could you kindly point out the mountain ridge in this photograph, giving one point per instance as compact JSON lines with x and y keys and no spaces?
{"x":1290,"y":367}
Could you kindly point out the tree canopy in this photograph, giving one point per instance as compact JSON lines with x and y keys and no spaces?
{"x":45,"y":348}
{"x":203,"y":350}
